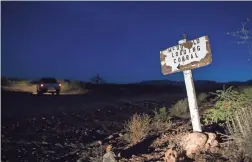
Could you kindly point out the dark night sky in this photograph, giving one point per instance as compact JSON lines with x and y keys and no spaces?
{"x":119,"y":40}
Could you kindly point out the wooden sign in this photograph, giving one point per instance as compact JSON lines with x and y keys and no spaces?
{"x":186,"y":56}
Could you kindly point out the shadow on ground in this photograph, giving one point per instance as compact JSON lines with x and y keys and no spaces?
{"x":140,"y":148}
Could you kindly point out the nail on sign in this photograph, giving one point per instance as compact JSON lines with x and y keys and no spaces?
{"x":189,"y":55}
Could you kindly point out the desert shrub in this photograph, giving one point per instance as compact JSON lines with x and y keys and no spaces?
{"x":202,"y":98}
{"x":138,"y":127}
{"x":161,"y":115}
{"x":247,"y":90}
{"x":180,"y":108}
{"x":126,"y":137}
{"x":228,"y":101}
{"x":240,"y":129}
{"x":161,"y":120}
{"x":234,"y":109}
{"x":161,"y":126}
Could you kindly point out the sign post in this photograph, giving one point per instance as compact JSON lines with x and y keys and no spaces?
{"x":184,"y":57}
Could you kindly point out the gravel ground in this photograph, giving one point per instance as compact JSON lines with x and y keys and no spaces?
{"x":59,"y":128}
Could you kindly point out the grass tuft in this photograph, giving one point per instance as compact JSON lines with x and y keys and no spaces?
{"x":138,"y":127}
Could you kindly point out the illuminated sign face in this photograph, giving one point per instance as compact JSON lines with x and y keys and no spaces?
{"x":186,"y":56}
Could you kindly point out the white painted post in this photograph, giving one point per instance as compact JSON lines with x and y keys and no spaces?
{"x":192,"y":100}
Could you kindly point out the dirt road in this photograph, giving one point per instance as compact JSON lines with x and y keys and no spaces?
{"x":18,"y":104}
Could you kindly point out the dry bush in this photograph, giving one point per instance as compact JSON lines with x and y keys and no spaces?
{"x":201,"y":99}
{"x":160,"y":127}
{"x":138,"y":127}
{"x":180,"y":108}
{"x":240,"y":129}
{"x":161,"y":115}
{"x":247,"y":90}
{"x":161,"y":120}
{"x":234,"y":108}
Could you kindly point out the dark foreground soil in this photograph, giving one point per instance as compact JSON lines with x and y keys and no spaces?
{"x":61,"y":128}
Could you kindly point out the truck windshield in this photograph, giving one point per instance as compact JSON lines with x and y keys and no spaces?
{"x":48,"y":80}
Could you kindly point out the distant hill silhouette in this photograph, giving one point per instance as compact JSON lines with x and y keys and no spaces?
{"x":149,"y":82}
{"x":196,"y":82}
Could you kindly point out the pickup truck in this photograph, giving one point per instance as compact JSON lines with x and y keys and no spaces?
{"x":48,"y":85}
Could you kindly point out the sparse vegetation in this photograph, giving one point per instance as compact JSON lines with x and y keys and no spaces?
{"x":228,"y":101}
{"x":166,"y":131}
{"x":161,"y":120}
{"x":240,"y":129}
{"x":201,"y":99}
{"x":138,"y":127}
{"x":234,"y":109}
{"x":180,"y":108}
{"x":240,"y":126}
{"x":161,"y":115}
{"x":247,"y":91}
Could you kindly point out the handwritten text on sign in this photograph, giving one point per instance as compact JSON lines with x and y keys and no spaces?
{"x":189,"y":55}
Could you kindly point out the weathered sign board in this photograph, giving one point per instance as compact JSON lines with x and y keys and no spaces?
{"x":186,"y":56}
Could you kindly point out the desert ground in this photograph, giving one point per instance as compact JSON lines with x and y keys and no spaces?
{"x":79,"y":126}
